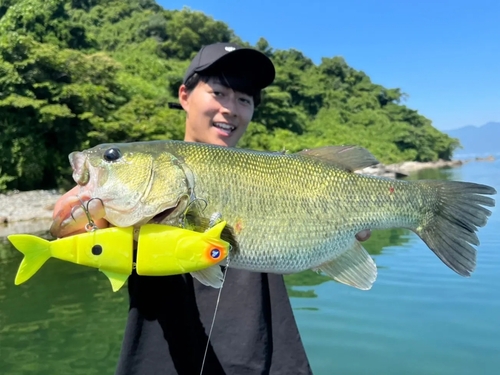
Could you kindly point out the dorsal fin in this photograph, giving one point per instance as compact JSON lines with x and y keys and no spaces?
{"x":216,"y":230}
{"x":350,"y":158}
{"x":199,"y":223}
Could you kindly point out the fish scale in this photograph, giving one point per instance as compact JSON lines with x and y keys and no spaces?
{"x":289,"y":212}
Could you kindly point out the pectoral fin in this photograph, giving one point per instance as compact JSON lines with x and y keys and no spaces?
{"x":355,"y":267}
{"x":211,"y":276}
{"x":117,"y":279}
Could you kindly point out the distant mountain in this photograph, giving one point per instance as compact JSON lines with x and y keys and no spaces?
{"x":478,"y":141}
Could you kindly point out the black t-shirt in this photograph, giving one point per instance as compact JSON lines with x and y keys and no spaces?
{"x":170,"y":318}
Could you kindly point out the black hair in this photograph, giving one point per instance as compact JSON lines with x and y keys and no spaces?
{"x":236,"y":83}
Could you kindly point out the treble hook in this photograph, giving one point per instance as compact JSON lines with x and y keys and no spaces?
{"x":90,"y":226}
{"x":182,"y":218}
{"x":195,"y":200}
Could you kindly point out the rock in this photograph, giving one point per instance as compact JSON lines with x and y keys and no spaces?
{"x":487,"y":158}
{"x":403,"y":169}
{"x":382,"y":170}
{"x":413,"y":166}
{"x":36,"y":227}
{"x":26,"y":212}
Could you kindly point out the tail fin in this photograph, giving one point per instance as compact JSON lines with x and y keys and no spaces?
{"x":36,"y":252}
{"x":451,"y":229}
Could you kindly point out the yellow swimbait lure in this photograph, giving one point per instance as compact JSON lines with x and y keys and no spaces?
{"x":161,"y":250}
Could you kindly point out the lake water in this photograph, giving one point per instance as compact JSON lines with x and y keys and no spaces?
{"x":419,"y":318}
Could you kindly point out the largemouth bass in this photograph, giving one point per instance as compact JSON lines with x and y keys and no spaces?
{"x":288,"y":212}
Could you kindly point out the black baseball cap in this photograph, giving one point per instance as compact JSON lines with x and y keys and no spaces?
{"x":232,"y":59}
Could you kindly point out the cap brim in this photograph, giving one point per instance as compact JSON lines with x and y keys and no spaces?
{"x":246,"y":62}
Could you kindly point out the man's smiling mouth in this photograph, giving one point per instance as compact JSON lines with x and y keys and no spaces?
{"x":226,"y":128}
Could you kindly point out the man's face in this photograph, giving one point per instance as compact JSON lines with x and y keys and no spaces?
{"x":215,"y":113}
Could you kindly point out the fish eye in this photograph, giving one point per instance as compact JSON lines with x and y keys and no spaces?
{"x":112,"y":154}
{"x":97,"y":249}
{"x":215,"y":253}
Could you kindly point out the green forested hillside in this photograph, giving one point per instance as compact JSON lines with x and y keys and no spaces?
{"x":74,"y":73}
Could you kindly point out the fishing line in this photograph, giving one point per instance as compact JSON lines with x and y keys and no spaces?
{"x":215,"y":314}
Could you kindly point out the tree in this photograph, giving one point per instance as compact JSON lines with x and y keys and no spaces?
{"x":50,"y":99}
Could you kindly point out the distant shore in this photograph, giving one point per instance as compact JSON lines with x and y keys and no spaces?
{"x":403,"y":169}
{"x":31,"y":211}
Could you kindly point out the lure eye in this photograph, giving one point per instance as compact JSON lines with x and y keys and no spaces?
{"x":112,"y":154}
{"x":215,"y":253}
{"x":97,"y":249}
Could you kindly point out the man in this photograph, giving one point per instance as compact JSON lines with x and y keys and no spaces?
{"x":170,"y":317}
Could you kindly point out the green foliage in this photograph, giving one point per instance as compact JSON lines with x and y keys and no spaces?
{"x":187,"y":31}
{"x":75,"y":73}
{"x":45,"y":21}
{"x":50,"y":99}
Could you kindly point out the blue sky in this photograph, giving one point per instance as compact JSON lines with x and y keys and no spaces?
{"x":445,"y":54}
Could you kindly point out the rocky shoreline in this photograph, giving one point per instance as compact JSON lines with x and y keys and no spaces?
{"x":31,"y":211}
{"x":27,"y":211}
{"x":405,"y":168}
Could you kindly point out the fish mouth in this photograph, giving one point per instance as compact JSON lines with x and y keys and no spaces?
{"x":173,"y":214}
{"x":72,"y":217}
{"x":77,"y":161}
{"x":159,"y":218}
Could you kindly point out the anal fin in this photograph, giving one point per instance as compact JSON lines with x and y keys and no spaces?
{"x":355,"y":267}
{"x":211,"y":276}
{"x":117,"y":279}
